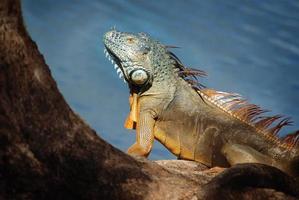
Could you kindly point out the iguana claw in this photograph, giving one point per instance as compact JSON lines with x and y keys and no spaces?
{"x":138,"y":150}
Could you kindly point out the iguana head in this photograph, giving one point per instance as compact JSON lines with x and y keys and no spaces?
{"x":143,"y":61}
{"x":135,"y":56}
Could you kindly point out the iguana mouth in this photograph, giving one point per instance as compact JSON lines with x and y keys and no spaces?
{"x":115,"y":61}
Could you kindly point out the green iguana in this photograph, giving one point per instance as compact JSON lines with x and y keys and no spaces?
{"x":194,"y":123}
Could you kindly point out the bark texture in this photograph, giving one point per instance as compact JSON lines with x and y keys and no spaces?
{"x":49,"y":152}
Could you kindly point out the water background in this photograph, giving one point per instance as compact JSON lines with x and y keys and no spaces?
{"x":248,"y":47}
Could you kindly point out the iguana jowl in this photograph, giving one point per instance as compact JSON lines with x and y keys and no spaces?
{"x":194,"y":123}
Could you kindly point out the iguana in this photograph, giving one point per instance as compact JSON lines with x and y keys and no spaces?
{"x":195,"y":123}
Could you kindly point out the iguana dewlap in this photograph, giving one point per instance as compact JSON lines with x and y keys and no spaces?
{"x":212,"y":127}
{"x":131,"y":120}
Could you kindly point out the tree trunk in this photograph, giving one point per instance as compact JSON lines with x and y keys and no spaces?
{"x":49,"y":152}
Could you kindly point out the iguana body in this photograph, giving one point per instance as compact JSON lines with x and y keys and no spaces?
{"x":211,"y":127}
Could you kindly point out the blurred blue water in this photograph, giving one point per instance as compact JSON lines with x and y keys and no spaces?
{"x":248,"y":47}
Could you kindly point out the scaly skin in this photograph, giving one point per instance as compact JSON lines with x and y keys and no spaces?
{"x":164,"y":106}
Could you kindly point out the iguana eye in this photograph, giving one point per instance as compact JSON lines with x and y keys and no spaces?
{"x":130,"y":40}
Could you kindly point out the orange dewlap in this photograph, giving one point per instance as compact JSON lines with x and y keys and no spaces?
{"x":132,"y":118}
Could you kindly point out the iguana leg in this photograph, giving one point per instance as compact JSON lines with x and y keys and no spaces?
{"x":237,"y":153}
{"x":144,"y":135}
